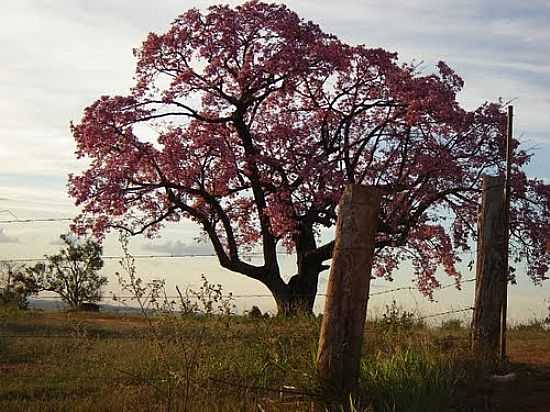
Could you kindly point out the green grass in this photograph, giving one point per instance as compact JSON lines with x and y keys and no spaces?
{"x":177,"y":364}
{"x":113,"y":362}
{"x":412,"y":379}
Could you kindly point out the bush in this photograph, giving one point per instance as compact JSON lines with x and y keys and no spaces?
{"x":152,"y":296}
{"x":89,"y":307}
{"x":452,"y":324}
{"x":255,"y":313}
{"x":395,"y":318}
{"x":530,"y":325}
{"x":16,"y":285}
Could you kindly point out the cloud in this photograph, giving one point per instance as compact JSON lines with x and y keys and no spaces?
{"x":4,"y":238}
{"x":61,"y":55}
{"x":179,"y":248}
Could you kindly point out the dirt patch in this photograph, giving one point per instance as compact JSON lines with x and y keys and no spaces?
{"x":107,"y":321}
{"x":529,"y":391}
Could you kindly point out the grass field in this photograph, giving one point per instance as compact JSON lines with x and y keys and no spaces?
{"x":102,"y":362}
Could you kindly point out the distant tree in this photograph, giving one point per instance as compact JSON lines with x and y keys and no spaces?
{"x":15,"y":285}
{"x":262,"y":119}
{"x":73,"y":273}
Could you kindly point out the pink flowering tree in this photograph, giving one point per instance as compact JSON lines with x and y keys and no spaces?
{"x":261,"y":118}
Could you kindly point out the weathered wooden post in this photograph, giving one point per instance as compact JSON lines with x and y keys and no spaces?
{"x":343,"y":323}
{"x":490,"y":271}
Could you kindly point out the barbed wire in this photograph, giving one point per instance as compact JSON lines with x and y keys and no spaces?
{"x":124,"y":378}
{"x":129,"y":378}
{"x":293,"y":391}
{"x":35,"y":259}
{"x":88,"y":336}
{"x":8,"y":211}
{"x":449,"y":312}
{"x":41,"y":220}
{"x":110,"y":257}
{"x":224,"y":338}
{"x":449,"y":285}
{"x":116,"y":297}
{"x":195,"y":255}
{"x":105,"y":336}
{"x":98,"y":334}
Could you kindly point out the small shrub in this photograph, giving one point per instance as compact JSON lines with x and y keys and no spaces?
{"x":212,"y":300}
{"x":452,"y":324}
{"x":16,"y":285}
{"x":531,"y":325}
{"x":209,"y":299}
{"x":88,"y":307}
{"x":254,"y":313}
{"x":395,"y":318}
{"x":152,"y":296}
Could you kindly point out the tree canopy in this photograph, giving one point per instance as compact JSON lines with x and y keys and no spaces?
{"x":260,"y":118}
{"x":72,"y":273}
{"x":16,"y":286}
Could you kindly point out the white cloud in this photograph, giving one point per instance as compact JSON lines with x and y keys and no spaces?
{"x":179,"y":248}
{"x":58,"y":56}
{"x":4,"y":238}
{"x":521,"y":30}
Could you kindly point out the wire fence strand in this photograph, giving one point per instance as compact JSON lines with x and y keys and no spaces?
{"x":114,"y":296}
{"x":97,"y":334}
{"x":139,"y":257}
{"x":128,"y":378}
{"x":41,"y":220}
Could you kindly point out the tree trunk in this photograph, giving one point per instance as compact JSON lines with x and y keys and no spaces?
{"x":303,"y":290}
{"x":298,"y":296}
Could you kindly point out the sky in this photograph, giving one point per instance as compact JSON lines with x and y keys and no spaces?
{"x":58,"y":56}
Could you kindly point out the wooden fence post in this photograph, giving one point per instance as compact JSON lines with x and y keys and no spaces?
{"x":490,"y":271}
{"x":342,"y":329}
